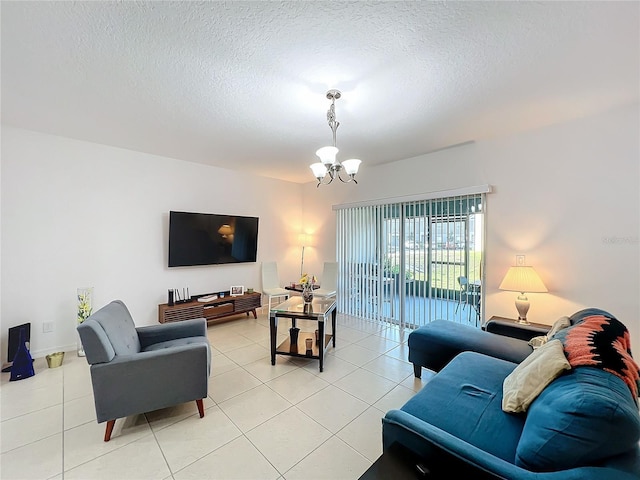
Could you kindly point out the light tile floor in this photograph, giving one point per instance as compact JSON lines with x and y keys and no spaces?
{"x":287,"y":421}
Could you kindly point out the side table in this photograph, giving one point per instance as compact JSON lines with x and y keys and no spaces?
{"x":510,"y":327}
{"x":399,"y":463}
{"x":320,"y":310}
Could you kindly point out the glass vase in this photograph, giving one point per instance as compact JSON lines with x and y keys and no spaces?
{"x":293,"y":333}
{"x":79,"y":347}
{"x":307,"y":294}
{"x":85,"y":307}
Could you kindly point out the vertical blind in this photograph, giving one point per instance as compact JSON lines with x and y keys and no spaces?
{"x":406,"y":262}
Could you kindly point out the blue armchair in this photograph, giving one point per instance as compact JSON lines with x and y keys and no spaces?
{"x":137,"y":370}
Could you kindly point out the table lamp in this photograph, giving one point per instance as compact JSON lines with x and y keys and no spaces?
{"x":522,"y":279}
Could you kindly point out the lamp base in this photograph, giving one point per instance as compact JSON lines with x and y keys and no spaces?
{"x":522,"y":305}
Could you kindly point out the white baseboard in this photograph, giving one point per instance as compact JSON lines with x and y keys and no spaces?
{"x":43,"y":353}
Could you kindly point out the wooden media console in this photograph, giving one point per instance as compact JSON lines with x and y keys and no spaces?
{"x":214,"y":310}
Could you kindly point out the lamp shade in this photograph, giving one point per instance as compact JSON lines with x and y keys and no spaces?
{"x":225,"y":230}
{"x":523,"y":279}
{"x":319,"y":169}
{"x":327,"y":155}
{"x":351,"y":166}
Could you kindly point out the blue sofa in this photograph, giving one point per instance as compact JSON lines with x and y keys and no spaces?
{"x":584,"y":425}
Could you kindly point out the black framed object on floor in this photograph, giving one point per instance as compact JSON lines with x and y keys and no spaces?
{"x":14,"y":342}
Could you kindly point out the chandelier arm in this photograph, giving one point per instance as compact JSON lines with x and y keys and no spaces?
{"x":351,"y":179}
{"x":322,"y":181}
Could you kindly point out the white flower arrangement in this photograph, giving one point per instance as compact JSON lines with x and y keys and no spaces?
{"x":84,"y":304}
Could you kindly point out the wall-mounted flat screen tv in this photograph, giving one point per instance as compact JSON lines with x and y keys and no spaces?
{"x":211,"y":239}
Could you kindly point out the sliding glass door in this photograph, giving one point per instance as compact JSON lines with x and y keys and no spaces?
{"x":413,"y":262}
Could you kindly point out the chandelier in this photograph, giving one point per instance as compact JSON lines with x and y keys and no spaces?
{"x":329,"y":168}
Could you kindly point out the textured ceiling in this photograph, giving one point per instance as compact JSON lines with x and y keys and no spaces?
{"x":242,"y":85}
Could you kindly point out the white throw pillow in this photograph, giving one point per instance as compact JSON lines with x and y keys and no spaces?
{"x":528,"y":380}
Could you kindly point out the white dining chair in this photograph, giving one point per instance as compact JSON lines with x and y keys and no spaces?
{"x":271,"y":283}
{"x":328,"y":281}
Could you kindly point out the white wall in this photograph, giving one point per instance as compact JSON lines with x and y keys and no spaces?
{"x":78,"y":214}
{"x":567,"y":196}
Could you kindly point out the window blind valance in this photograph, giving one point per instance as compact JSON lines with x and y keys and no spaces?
{"x":478,"y":189}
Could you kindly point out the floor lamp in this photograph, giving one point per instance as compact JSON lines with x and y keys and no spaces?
{"x":303,"y":240}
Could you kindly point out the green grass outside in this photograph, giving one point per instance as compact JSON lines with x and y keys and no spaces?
{"x":447,"y":266}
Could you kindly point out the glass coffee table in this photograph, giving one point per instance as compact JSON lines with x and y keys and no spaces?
{"x":319,"y":311}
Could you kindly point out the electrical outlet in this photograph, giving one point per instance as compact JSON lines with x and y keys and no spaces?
{"x":47,"y":327}
{"x":520,"y":260}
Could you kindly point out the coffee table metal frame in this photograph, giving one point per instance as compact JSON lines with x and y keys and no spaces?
{"x":294,"y":308}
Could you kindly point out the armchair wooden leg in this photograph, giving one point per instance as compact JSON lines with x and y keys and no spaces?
{"x":107,"y":432}
{"x":200,"y":407}
{"x":417,"y":370}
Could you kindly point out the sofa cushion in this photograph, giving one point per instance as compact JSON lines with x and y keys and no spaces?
{"x":583,"y":417}
{"x":177,"y":342}
{"x":464,"y":399}
{"x":524,"y":384}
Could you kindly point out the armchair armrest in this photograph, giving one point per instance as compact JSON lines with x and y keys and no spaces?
{"x":164,"y":332}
